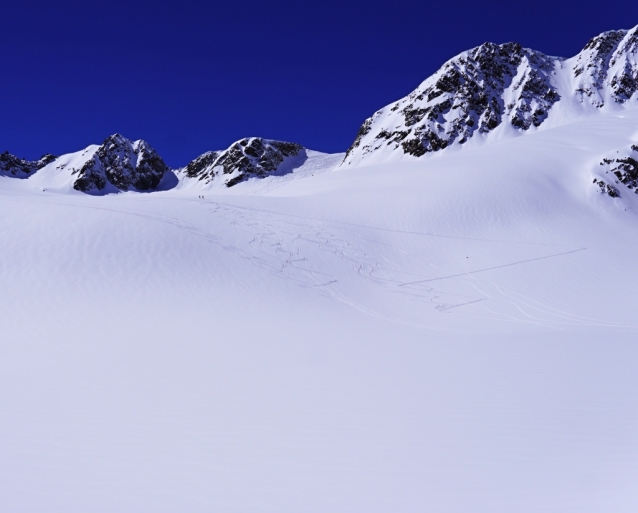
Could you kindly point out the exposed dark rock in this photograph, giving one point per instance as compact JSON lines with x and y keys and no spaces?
{"x":247,"y":158}
{"x":607,"y":65}
{"x":593,"y":63}
{"x":413,"y":147}
{"x":605,"y":188}
{"x":624,"y":82}
{"x":499,"y":85}
{"x":466,"y":96}
{"x":10,"y":165}
{"x":198,"y":166}
{"x":363,"y":131}
{"x":124,"y":164}
{"x":625,"y":170}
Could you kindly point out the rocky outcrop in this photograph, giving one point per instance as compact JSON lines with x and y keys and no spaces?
{"x":123,"y":164}
{"x":495,"y":85}
{"x":607,"y":68}
{"x":474,"y":92}
{"x":622,"y":170}
{"x":10,"y":165}
{"x":247,"y":158}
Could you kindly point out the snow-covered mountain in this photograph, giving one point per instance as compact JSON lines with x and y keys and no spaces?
{"x":253,"y":157}
{"x":119,"y":164}
{"x":487,"y":93}
{"x":505,"y":89}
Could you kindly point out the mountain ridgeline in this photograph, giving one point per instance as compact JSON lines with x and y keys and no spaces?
{"x":15,"y":167}
{"x":248,"y":158}
{"x":491,"y":89}
{"x":119,"y":165}
{"x":501,"y":87}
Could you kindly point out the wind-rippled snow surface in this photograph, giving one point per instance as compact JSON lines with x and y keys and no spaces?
{"x":454,"y":334}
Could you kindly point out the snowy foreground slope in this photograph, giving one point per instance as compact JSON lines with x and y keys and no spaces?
{"x":455,"y":333}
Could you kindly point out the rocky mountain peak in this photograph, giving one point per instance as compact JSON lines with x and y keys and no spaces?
{"x":473,"y":92}
{"x":246,"y":158}
{"x":494,"y":85}
{"x":607,"y":68}
{"x":13,"y":166}
{"x":123,"y":164}
{"x":618,"y":172}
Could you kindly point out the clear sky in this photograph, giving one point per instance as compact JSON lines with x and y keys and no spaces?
{"x":191,"y":76}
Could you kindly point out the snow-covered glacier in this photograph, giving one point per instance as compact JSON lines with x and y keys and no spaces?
{"x":271,"y":328}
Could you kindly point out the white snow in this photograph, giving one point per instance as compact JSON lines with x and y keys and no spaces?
{"x":451,"y":334}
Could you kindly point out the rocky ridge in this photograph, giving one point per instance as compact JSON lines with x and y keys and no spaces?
{"x":13,"y":166}
{"x":119,"y":164}
{"x":486,"y":89}
{"x":606,"y":70}
{"x":495,"y":85}
{"x":248,"y":158}
{"x":123,"y":164}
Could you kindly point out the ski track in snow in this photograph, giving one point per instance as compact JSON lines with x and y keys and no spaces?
{"x":287,"y":246}
{"x":281,"y":237}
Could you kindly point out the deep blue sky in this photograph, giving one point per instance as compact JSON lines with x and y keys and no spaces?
{"x":194,"y":76}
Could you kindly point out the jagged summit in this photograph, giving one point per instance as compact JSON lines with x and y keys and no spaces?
{"x":121,"y":164}
{"x":246,"y":158}
{"x":618,"y":172}
{"x":13,"y":166}
{"x":473,"y":92}
{"x":494,"y":86}
{"x":606,"y":70}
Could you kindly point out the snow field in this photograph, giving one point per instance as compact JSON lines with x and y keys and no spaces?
{"x":451,"y":334}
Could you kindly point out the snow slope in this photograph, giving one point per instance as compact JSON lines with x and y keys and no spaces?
{"x":453,"y":333}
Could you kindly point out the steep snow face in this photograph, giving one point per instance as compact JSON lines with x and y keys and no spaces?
{"x":247,"y":158}
{"x":503,"y":87}
{"x":122,"y":165}
{"x":15,"y":167}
